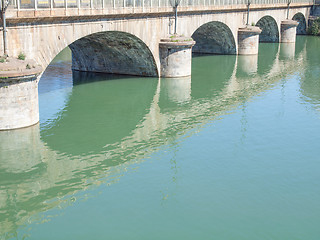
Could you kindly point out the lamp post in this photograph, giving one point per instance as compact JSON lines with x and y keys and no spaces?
{"x":248,"y":4}
{"x":175,"y":4}
{"x":289,"y":1}
{"x":4,"y":6}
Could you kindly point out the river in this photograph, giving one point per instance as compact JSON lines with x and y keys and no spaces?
{"x":231,"y":153}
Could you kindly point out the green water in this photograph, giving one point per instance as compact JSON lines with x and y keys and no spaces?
{"x":231,"y":153}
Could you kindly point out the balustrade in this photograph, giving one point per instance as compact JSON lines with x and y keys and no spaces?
{"x":116,"y":4}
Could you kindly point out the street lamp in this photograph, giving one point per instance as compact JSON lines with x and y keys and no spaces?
{"x":248,"y":4}
{"x":4,"y":5}
{"x":289,"y":1}
{"x":175,"y":4}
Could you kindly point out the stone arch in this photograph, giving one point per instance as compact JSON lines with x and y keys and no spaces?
{"x":269,"y":27}
{"x":215,"y":38}
{"x":302,"y":27}
{"x":113,"y":52}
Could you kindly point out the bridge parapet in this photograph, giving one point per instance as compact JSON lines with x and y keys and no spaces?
{"x":43,"y":8}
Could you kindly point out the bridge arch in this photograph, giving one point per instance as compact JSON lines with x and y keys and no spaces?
{"x":270,"y":30}
{"x":302,"y":27}
{"x":214,"y":37}
{"x":113,"y":52}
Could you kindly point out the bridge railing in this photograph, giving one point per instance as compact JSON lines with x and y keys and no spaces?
{"x":101,"y":4}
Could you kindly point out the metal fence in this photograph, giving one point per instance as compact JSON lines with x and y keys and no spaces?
{"x":101,"y":4}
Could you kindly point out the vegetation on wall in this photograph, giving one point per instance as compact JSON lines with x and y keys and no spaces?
{"x":314,"y":28}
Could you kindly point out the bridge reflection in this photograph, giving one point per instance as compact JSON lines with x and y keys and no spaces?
{"x":310,"y":86}
{"x":134,"y":118}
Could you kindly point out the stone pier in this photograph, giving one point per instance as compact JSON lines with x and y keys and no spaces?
{"x":248,"y":40}
{"x":175,"y":56}
{"x":19,"y":97}
{"x":288,"y":30}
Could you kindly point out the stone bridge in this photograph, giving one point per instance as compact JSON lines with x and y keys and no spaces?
{"x":123,"y":37}
{"x":125,"y":40}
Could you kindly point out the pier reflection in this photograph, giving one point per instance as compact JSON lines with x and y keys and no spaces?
{"x":176,"y":90}
{"x":247,"y":65}
{"x":287,"y":51}
{"x":112,"y":122}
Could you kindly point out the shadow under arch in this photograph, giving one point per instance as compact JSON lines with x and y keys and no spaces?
{"x":302,"y":27}
{"x":214,"y":38}
{"x":113,"y":52}
{"x":269,"y":27}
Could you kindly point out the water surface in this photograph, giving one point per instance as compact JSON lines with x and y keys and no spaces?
{"x":229,"y":153}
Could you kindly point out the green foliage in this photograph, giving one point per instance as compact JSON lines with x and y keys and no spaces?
{"x":314,"y":29}
{"x":21,"y":56}
{"x":253,"y":24}
{"x":3,"y":59}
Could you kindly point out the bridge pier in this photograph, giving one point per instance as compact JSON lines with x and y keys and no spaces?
{"x":175,"y":57}
{"x":288,"y":30}
{"x":248,"y":40}
{"x":19,"y":105}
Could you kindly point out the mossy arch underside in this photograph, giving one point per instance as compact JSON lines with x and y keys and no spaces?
{"x":214,"y":38}
{"x":269,"y":27}
{"x":113,"y":52}
{"x":302,"y":27}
